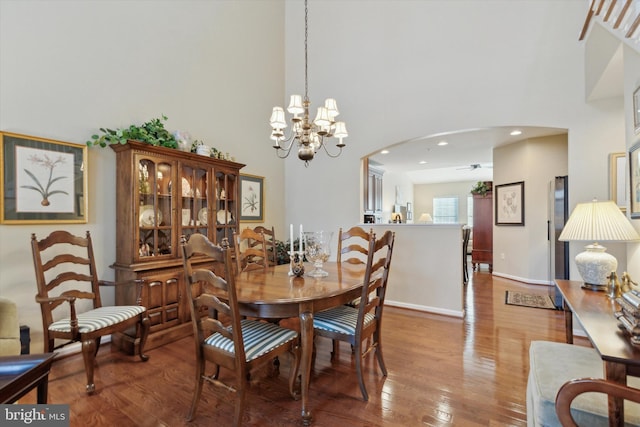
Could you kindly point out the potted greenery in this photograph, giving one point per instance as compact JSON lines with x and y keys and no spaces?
{"x":152,"y":132}
{"x":481,"y":188}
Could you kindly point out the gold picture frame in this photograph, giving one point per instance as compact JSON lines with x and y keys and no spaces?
{"x":43,"y":181}
{"x":617,"y":180}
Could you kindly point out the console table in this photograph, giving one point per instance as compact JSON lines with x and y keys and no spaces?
{"x":20,"y":374}
{"x":594,"y":311}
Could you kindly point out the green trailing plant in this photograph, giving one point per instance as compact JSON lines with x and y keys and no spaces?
{"x":152,"y":132}
{"x":481,"y":188}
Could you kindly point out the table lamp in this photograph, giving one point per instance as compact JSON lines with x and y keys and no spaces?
{"x":597,"y":222}
{"x":425,"y":217}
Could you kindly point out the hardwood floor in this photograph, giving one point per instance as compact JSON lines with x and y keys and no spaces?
{"x":443,"y":371}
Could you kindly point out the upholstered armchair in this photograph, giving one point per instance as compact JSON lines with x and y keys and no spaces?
{"x":9,"y":329}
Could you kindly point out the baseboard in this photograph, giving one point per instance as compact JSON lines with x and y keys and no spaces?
{"x":523,"y":279}
{"x":426,"y":309}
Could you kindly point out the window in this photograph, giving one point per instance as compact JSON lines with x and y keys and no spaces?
{"x":470,"y":211}
{"x":445,"y":210}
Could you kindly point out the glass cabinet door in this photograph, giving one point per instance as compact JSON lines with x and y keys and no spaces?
{"x":194,"y":200}
{"x":155,"y":207}
{"x":226,"y":193}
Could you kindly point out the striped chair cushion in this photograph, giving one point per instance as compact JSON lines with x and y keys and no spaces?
{"x":259,"y":338}
{"x":98,"y":318}
{"x":340,"y":319}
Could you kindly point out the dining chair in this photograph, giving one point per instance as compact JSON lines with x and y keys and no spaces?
{"x":466,"y":234}
{"x":238,"y":344}
{"x":270,"y":243}
{"x":66,"y":273}
{"x":356,"y":325}
{"x":250,"y":251}
{"x":353,"y":245}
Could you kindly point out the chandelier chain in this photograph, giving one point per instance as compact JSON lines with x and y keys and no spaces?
{"x":306,"y":36}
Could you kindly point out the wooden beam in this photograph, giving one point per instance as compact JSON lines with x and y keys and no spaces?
{"x":587,"y":21}
{"x":610,"y":10}
{"x":622,"y":13}
{"x":599,"y":9}
{"x":633,"y":27}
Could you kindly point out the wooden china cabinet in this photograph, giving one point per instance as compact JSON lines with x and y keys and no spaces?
{"x":482,"y":251}
{"x":162,"y":194}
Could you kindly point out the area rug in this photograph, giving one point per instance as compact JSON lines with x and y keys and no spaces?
{"x":529,"y":300}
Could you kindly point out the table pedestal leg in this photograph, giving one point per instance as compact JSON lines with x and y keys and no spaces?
{"x":306,"y":332}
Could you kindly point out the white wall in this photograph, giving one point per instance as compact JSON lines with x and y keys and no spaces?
{"x":406,"y":69}
{"x":521,"y":252}
{"x":214,"y":68}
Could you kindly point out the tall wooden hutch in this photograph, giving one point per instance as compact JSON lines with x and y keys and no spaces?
{"x":162,"y":194}
{"x":482,"y":250}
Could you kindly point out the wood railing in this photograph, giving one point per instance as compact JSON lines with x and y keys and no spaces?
{"x":623,"y":16}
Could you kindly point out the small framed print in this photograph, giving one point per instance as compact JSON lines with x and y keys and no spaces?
{"x":251,"y":198}
{"x":42,"y":181}
{"x":634,"y":181}
{"x":617,"y":180}
{"x":636,"y":110}
{"x":510,"y":203}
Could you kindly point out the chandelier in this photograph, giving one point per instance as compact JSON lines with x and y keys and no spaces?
{"x":308,"y":136}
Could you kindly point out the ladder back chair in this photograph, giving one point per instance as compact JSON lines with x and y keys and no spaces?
{"x":250,"y":250}
{"x":270,"y":243}
{"x":69,"y":298}
{"x":356,"y":325}
{"x":238,"y":344}
{"x":353,"y":245}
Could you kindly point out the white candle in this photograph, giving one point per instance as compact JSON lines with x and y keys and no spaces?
{"x":301,"y":239}
{"x":291,"y":238}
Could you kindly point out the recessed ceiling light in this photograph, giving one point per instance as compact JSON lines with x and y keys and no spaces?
{"x":443,"y":143}
{"x":423,"y":162}
{"x":516,"y":132}
{"x":384,"y":152}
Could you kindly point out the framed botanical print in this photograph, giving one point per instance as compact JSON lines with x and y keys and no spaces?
{"x":251,"y":198}
{"x":509,"y":201}
{"x":42,"y":181}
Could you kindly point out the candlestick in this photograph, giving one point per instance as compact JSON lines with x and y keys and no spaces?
{"x":300,"y":244}
{"x":291,"y":238}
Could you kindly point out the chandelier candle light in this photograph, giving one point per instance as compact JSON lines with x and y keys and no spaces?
{"x":296,"y":258}
{"x":597,"y":222}
{"x":308,"y":136}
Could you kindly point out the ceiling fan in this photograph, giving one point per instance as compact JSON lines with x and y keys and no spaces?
{"x":475,"y":166}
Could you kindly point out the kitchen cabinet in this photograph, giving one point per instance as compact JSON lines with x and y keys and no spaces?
{"x":482,"y":250}
{"x":161,"y":195}
{"x":373,"y":191}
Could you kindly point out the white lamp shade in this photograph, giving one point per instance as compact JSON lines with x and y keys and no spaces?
{"x":332,"y":108}
{"x":295,"y":105}
{"x":277,"y":120}
{"x":341,"y":130}
{"x":425,"y":217}
{"x":322,"y":118}
{"x":597,"y":222}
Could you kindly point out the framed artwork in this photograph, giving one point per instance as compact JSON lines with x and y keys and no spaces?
{"x":617,"y":180}
{"x":509,"y":200}
{"x":43,"y":181}
{"x":634,"y":180}
{"x":636,"y":110}
{"x":251,"y":198}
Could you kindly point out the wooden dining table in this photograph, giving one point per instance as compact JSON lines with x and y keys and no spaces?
{"x":274,"y":294}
